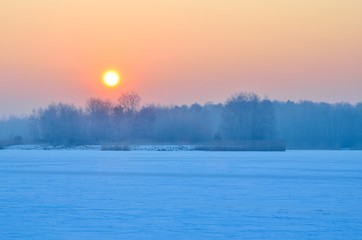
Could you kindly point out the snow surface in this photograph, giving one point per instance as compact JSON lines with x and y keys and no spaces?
{"x":149,"y":147}
{"x":90,"y":194}
{"x":49,"y":147}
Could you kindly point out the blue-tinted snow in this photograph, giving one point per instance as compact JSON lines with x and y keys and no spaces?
{"x":180,"y":195}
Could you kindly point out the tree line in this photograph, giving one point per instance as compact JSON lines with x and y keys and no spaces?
{"x":309,"y":125}
{"x":243,"y":117}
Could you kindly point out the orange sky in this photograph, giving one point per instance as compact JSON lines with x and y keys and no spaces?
{"x":174,"y":52}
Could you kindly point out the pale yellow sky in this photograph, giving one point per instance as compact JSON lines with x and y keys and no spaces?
{"x":174,"y":52}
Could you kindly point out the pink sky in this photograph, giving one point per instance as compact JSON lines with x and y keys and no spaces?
{"x":174,"y":52}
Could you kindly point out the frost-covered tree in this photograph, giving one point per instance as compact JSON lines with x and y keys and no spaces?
{"x":98,"y":117}
{"x":246,"y":117}
{"x":125,"y":114}
{"x":59,"y":124}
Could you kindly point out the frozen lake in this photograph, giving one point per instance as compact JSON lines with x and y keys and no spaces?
{"x":180,"y":195}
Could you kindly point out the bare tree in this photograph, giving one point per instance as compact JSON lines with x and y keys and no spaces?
{"x":128,"y":102}
{"x":60,"y":124}
{"x":239,"y":115}
{"x":98,"y":115}
{"x":125,"y":114}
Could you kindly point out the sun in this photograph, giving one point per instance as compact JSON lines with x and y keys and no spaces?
{"x":111,"y":78}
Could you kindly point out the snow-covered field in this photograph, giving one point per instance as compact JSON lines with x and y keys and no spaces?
{"x":90,"y":194}
{"x":148,"y":147}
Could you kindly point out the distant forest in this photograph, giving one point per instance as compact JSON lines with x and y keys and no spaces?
{"x":243,"y":117}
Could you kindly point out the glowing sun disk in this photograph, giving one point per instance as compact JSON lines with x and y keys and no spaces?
{"x":111,"y":78}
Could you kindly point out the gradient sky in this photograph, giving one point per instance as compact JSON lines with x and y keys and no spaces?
{"x":183,"y":51}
